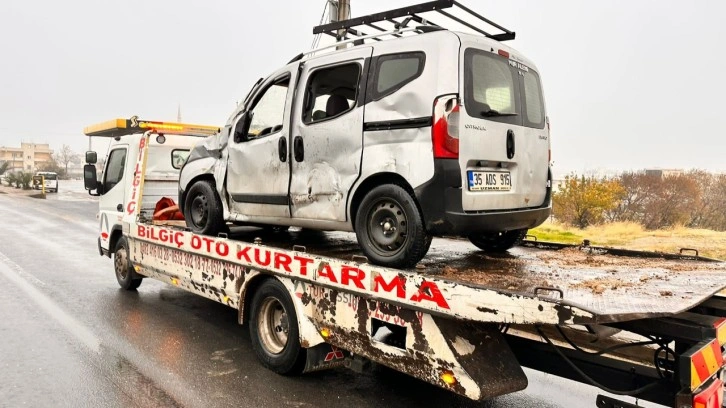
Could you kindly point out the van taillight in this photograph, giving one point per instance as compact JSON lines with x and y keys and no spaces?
{"x":445,"y":131}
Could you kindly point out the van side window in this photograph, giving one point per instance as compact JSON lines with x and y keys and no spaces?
{"x":269,"y":110}
{"x":114,"y":169}
{"x":331,"y":92}
{"x":393,"y":71}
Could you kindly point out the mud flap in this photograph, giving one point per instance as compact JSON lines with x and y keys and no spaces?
{"x":484,"y":355}
{"x":473,"y":360}
{"x":323,"y":357}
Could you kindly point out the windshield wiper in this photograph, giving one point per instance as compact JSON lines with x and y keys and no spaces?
{"x":491,"y":112}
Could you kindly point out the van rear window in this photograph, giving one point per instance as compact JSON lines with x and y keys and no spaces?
{"x":502,"y":91}
{"x":492,"y":84}
{"x":533,"y":103}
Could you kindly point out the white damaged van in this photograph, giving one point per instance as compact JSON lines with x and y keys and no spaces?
{"x":403,"y":135}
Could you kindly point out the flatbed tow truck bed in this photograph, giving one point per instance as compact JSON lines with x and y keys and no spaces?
{"x":638,"y":324}
{"x":626,"y":286}
{"x":645,"y":325}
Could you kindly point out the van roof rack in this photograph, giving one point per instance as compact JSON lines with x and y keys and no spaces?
{"x":402,"y":17}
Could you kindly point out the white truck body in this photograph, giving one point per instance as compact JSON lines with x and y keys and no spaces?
{"x":463,"y":321}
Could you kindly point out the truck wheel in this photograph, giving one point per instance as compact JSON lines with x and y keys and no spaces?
{"x":274,"y":329}
{"x":498,"y":241}
{"x":203,"y":209}
{"x":125,"y":274}
{"x":390,"y":228}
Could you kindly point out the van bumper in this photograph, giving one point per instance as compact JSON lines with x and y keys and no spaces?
{"x":440,"y":202}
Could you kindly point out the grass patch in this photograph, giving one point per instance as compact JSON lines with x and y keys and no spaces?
{"x":709,"y":243}
{"x":553,"y":234}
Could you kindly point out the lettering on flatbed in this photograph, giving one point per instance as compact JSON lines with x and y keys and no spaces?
{"x":336,"y":274}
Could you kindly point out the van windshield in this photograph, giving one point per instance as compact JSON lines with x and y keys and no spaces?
{"x":502,"y":90}
{"x":49,"y":176}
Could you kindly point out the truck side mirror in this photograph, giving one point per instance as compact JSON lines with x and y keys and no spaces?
{"x":90,"y":180}
{"x":242,"y":128}
{"x":91,"y":157}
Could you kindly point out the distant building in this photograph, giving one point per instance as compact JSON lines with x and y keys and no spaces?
{"x":663,"y":172}
{"x":29,"y":157}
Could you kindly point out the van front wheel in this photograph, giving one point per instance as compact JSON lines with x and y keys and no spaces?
{"x":498,"y":241}
{"x":203,"y":209}
{"x":390,"y":229}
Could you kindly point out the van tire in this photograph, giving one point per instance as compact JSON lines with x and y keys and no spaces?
{"x":203,"y":209}
{"x":390,"y":228}
{"x":126,"y":276}
{"x":498,"y":241}
{"x":276,"y":342}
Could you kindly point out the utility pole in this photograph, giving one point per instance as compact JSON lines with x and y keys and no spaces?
{"x":339,"y":11}
{"x":343,"y":10}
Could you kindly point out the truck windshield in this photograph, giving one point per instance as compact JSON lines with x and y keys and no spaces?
{"x":502,"y":90}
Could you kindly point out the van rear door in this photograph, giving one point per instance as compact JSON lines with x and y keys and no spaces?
{"x":503,"y":137}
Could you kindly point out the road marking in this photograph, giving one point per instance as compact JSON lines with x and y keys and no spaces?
{"x":16,"y":275}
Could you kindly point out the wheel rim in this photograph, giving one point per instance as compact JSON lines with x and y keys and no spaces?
{"x":273,"y":325}
{"x":199,"y":210}
{"x":387,"y":226}
{"x":120,"y":263}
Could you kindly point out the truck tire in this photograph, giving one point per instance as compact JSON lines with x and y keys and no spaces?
{"x":390,"y":229}
{"x":274,"y":329}
{"x":498,"y":241}
{"x":125,"y":275}
{"x":203,"y":209}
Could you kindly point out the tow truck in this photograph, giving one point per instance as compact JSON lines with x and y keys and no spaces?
{"x":642,"y":325}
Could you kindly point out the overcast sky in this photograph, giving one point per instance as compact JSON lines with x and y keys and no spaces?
{"x":628,"y":84}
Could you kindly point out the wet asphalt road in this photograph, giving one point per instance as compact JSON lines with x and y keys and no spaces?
{"x":69,"y":337}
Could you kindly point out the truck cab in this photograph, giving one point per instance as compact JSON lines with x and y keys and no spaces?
{"x":118,"y":184}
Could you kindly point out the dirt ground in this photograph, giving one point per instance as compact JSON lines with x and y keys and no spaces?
{"x":4,"y":189}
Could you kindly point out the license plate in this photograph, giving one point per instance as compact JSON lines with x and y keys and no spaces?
{"x":489,"y":181}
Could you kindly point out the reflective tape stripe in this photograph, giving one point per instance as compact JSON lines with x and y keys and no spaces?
{"x":699,"y":368}
{"x":720,"y":326}
{"x":705,"y":363}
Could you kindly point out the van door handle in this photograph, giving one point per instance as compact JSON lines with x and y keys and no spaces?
{"x":510,"y":144}
{"x":120,"y":208}
{"x":299,"y":149}
{"x":282,"y":149}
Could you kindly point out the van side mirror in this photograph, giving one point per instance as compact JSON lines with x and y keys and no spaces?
{"x":242,"y":128}
{"x":90,"y":179}
{"x":91,"y":157}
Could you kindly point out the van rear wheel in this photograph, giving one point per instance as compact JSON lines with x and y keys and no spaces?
{"x":203,"y":209}
{"x":390,"y":229}
{"x":498,"y":241}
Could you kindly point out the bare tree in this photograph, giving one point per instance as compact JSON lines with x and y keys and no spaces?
{"x":65,"y":156}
